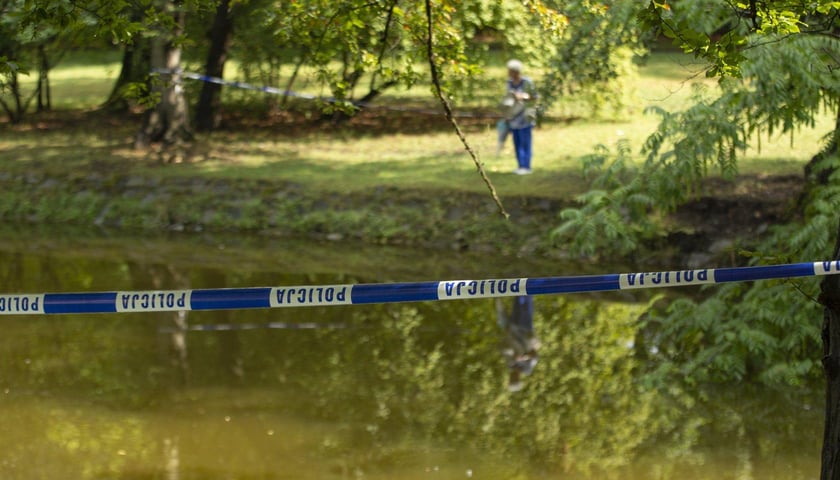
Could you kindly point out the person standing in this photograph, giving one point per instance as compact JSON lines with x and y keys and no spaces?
{"x":521,"y":114}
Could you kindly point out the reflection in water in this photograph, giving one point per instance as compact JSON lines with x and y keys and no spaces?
{"x":173,"y":458}
{"x":400,"y":391}
{"x":179,"y":344}
{"x":520,"y":343}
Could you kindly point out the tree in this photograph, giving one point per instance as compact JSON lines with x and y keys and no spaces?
{"x":595,"y":56}
{"x":33,"y":30}
{"x":778,"y":64}
{"x":134,"y":68}
{"x":830,"y":331}
{"x":168,"y":121}
{"x":341,"y":42}
{"x":206,"y":110}
{"x":27,"y":47}
{"x":161,"y":22}
{"x":355,"y":51}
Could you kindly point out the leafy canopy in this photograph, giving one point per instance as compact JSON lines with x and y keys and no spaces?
{"x":778,"y":64}
{"x":720,"y":31}
{"x":593,"y":60}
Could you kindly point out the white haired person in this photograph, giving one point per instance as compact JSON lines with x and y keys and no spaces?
{"x":520,"y":114}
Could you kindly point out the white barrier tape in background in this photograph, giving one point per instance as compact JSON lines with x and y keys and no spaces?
{"x":306,"y":96}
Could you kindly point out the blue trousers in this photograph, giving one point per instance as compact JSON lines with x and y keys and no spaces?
{"x":522,"y":314}
{"x":522,"y":145}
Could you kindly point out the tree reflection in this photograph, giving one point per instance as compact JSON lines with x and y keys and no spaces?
{"x":166,"y":277}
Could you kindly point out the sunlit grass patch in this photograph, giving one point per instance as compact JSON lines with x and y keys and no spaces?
{"x":80,"y":80}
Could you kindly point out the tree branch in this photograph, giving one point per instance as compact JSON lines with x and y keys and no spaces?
{"x":450,"y":117}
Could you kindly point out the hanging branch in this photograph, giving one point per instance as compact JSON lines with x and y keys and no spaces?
{"x":451,"y":118}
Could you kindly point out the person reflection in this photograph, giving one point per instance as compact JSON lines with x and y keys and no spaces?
{"x":520,"y":343}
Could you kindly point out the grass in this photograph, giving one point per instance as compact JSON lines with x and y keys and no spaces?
{"x":377,"y":149}
{"x":82,"y":80}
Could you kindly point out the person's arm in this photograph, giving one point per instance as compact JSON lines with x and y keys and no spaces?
{"x":530,"y":91}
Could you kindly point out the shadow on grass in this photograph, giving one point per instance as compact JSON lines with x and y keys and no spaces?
{"x":73,"y":144}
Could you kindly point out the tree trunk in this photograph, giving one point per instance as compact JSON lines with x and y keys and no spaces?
{"x":16,"y":110}
{"x":136,"y":64}
{"x":168,"y":122}
{"x":44,"y":97}
{"x":14,"y":106}
{"x":830,"y":299}
{"x":285,"y":100}
{"x":206,"y":111}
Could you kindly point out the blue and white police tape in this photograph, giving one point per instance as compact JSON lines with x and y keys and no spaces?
{"x":243,"y":85}
{"x":306,"y":96}
{"x":328,"y":295}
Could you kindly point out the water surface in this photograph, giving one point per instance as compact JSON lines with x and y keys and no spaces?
{"x":415,"y":391}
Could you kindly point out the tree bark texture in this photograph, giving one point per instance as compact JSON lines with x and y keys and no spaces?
{"x":830,"y":299}
{"x":168,"y":122}
{"x":207,"y":109}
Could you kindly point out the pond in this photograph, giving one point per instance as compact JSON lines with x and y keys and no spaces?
{"x":410,"y":391}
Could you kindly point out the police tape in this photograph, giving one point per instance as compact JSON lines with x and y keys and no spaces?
{"x":358,"y":294}
{"x":305,"y":96}
{"x":242,"y":85}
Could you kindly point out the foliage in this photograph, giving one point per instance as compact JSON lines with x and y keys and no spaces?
{"x":351,"y":51}
{"x":624,"y":201}
{"x":783,"y":89}
{"x":615,"y":211}
{"x":767,"y":331}
{"x":785,"y":85}
{"x":18,"y":50}
{"x":55,"y":26}
{"x":358,"y":49}
{"x":722,"y":32}
{"x":593,"y":61}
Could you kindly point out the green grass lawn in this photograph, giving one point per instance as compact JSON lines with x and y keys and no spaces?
{"x":359,"y":158}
